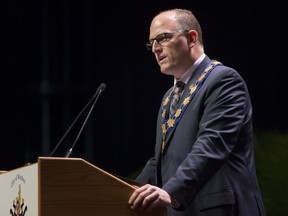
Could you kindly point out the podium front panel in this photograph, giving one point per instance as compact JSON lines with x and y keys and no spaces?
{"x":19,"y":191}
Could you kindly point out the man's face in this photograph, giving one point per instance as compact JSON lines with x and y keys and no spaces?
{"x":169,"y":45}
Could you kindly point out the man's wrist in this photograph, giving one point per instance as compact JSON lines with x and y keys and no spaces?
{"x":174,"y":203}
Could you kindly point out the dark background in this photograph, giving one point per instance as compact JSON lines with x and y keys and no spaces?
{"x":55,"y":53}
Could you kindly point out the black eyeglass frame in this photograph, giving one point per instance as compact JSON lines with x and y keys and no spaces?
{"x":163,"y":37}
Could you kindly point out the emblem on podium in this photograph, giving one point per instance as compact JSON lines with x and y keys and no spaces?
{"x":19,"y":208}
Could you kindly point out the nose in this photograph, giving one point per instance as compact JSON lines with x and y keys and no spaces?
{"x":156,"y":46}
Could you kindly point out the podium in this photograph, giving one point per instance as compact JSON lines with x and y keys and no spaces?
{"x":65,"y":187}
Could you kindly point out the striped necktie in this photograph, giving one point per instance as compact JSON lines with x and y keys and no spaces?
{"x":175,"y":96}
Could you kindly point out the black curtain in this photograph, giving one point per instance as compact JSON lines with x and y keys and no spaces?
{"x":56,"y":53}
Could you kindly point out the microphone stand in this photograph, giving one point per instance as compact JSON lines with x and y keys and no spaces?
{"x":96,"y":95}
{"x":84,"y":123}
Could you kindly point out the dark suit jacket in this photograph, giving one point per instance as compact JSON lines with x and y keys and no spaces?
{"x":208,"y":162}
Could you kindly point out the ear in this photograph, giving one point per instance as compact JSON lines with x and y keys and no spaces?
{"x":193,"y":35}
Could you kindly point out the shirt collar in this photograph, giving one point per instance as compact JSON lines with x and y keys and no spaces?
{"x":189,"y":72}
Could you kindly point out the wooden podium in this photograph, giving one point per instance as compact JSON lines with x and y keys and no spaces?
{"x":65,"y":187}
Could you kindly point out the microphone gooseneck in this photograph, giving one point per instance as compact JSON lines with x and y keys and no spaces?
{"x":100,"y":89}
{"x":95,"y":97}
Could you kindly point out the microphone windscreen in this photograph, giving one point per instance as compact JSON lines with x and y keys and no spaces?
{"x":102,"y":86}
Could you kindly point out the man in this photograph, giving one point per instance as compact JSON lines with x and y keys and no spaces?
{"x":203,"y":162}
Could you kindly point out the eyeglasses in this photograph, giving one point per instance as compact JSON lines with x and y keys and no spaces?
{"x":163,"y":38}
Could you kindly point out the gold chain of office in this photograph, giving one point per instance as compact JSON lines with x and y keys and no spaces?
{"x":168,"y":124}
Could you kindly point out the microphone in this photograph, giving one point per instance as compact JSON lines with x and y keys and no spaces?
{"x":95,"y":97}
{"x":100,"y":88}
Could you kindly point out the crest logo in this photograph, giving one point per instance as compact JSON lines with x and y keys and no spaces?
{"x":18,"y":205}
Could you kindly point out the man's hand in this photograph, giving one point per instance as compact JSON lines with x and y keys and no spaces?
{"x":148,"y":197}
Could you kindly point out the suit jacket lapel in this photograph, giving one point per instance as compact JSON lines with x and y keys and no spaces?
{"x":195,"y":75}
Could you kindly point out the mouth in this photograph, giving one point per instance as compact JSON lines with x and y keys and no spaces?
{"x":161,"y":59}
